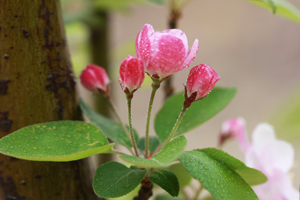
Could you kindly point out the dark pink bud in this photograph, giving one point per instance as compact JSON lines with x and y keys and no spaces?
{"x":132,"y":74}
{"x":200,"y":82}
{"x":164,"y":52}
{"x":94,"y":78}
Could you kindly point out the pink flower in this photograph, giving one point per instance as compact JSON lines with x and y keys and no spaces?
{"x":94,"y":78}
{"x":271,"y":156}
{"x":275,"y":159}
{"x":164,"y":52}
{"x":200,"y":82}
{"x":234,"y":128}
{"x":131,"y":74}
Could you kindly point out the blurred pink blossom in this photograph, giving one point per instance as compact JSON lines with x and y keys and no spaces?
{"x":164,"y":52}
{"x":235,"y":128}
{"x":268,"y":154}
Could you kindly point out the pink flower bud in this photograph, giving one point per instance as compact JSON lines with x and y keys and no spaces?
{"x":132,"y":74}
{"x":200,"y":82}
{"x":164,"y":52}
{"x":234,"y":128}
{"x":94,"y":78}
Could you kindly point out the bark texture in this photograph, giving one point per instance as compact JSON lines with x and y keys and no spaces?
{"x":37,"y":85}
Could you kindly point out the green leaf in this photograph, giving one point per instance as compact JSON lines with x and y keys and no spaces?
{"x":169,"y":153}
{"x":184,"y":178}
{"x":166,"y":180}
{"x":153,"y":144}
{"x":218,"y":178}
{"x":56,"y":141}
{"x":250,"y":175}
{"x":111,"y":129}
{"x":199,"y":112}
{"x":283,"y":8}
{"x":130,"y":195}
{"x":165,"y":197}
{"x":113,"y":179}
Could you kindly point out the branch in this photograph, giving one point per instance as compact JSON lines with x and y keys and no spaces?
{"x":145,"y":191}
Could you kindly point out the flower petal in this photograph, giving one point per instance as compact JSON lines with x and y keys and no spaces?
{"x":262,"y":134}
{"x":179,"y":34}
{"x":272,"y":154}
{"x":191,"y":55}
{"x":278,"y":187}
{"x":142,"y":43}
{"x":167,"y":51}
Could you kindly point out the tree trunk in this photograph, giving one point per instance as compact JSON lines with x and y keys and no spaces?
{"x":36,"y":85}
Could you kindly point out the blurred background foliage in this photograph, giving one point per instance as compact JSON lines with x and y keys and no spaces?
{"x":82,"y":17}
{"x":79,"y":15}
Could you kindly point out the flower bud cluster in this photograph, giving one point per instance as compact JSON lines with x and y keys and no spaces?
{"x":159,"y":54}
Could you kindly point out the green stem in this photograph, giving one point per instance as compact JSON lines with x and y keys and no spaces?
{"x":148,"y":172}
{"x":176,"y":125}
{"x":114,"y":110}
{"x":154,"y":89}
{"x":130,"y":125}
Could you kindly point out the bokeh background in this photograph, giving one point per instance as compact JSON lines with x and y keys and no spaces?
{"x":249,"y":47}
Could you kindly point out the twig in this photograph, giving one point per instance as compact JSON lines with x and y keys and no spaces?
{"x":145,"y":191}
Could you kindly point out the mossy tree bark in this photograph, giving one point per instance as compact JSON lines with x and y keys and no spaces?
{"x":37,"y":85}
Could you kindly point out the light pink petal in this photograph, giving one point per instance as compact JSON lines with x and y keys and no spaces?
{"x":283,"y":155}
{"x":273,"y":154}
{"x":278,"y":187}
{"x":262,"y":134}
{"x":168,"y":52}
{"x":179,"y":34}
{"x":143,"y":44}
{"x":191,"y":55}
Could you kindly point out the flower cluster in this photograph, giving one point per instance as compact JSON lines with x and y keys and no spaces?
{"x":159,"y":54}
{"x":268,"y":154}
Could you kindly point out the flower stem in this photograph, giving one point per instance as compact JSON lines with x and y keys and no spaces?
{"x":176,"y":125}
{"x":155,"y":86}
{"x":114,"y":110}
{"x":130,"y":125}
